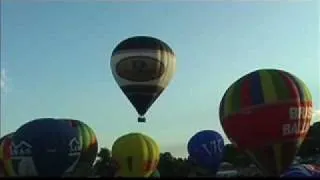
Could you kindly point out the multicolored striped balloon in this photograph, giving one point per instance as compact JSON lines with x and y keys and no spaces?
{"x":5,"y":154}
{"x":89,"y":143}
{"x":267,"y":113}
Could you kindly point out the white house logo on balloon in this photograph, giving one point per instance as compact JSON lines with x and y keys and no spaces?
{"x":22,"y":149}
{"x":22,"y":153}
{"x":74,"y":147}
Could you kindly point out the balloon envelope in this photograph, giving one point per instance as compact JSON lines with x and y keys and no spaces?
{"x":205,"y":148}
{"x":267,"y":114}
{"x":136,"y":154}
{"x":5,"y":160}
{"x":143,"y":67}
{"x":45,"y":147}
{"x":302,"y":170}
{"x":88,"y":142}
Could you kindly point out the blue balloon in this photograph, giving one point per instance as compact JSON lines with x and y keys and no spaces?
{"x":302,"y":170}
{"x":45,"y":147}
{"x":206,"y":148}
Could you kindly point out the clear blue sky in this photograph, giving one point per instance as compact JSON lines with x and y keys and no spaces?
{"x":56,"y":57}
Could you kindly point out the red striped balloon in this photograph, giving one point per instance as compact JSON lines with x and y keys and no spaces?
{"x":267,"y":113}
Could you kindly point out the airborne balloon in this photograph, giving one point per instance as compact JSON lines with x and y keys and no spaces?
{"x":142,"y":66}
{"x":267,"y":114}
{"x":136,"y":154}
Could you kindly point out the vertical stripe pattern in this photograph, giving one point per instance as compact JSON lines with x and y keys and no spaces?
{"x":141,"y":149}
{"x":259,"y":89}
{"x":88,"y":140}
{"x":262,"y":87}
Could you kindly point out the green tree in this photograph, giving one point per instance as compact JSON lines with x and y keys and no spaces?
{"x":236,"y":157}
{"x":166,"y":165}
{"x":104,"y":167}
{"x":170,"y":166}
{"x":311,"y":144}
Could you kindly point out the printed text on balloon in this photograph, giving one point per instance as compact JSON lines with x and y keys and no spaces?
{"x":297,"y":113}
{"x":213,"y":147}
{"x":297,"y":127}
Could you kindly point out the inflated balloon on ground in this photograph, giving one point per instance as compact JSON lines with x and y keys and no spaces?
{"x":89,"y":146}
{"x":5,"y":155}
{"x":45,"y":147}
{"x":136,"y":154}
{"x":267,"y":113}
{"x":205,"y":148}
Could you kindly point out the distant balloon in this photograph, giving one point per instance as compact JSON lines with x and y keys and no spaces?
{"x":267,"y":114}
{"x":88,"y":142}
{"x":45,"y":147}
{"x":136,"y":154}
{"x":205,"y":148}
{"x":302,"y":170}
{"x":143,"y":67}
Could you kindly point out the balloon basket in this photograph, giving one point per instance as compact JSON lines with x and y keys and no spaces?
{"x":141,"y":119}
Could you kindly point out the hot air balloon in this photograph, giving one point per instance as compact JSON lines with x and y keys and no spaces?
{"x":5,"y":149}
{"x":89,"y":148}
{"x":143,"y":67}
{"x":302,"y":170}
{"x":267,"y":114}
{"x":205,"y":148}
{"x":45,"y":147}
{"x":155,"y":174}
{"x":2,"y":170}
{"x":136,"y":154}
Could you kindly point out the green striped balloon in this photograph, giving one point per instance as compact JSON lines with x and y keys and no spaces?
{"x":263,"y":87}
{"x":88,"y":140}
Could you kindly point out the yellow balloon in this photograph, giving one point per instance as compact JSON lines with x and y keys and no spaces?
{"x":137,"y":155}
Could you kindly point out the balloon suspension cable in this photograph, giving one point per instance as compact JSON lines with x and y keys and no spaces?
{"x":141,"y":119}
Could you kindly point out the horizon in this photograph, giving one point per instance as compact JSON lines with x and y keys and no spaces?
{"x":55,"y":61}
